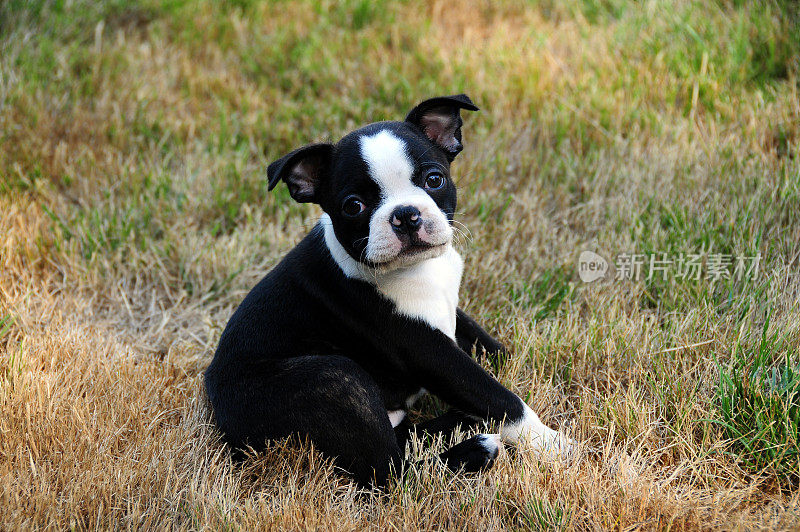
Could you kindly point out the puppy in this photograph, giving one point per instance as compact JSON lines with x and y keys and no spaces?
{"x":361,"y":318}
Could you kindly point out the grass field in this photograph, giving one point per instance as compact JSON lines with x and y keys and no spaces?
{"x":134,"y":216}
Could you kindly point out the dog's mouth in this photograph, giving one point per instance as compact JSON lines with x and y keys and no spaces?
{"x":413,"y":253}
{"x":417,"y":248}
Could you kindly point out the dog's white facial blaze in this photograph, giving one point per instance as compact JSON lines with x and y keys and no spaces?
{"x":391,"y":168}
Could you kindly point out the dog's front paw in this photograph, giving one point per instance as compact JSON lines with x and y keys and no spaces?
{"x":528,"y":432}
{"x":549,"y":445}
{"x":474,"y":454}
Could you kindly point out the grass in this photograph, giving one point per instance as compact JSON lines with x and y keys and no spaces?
{"x":759,"y":403}
{"x":134,"y":216}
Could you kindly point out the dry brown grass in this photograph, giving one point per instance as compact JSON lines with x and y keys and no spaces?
{"x":134,"y":217}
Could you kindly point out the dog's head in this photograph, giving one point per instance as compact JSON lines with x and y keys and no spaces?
{"x":386,"y":186}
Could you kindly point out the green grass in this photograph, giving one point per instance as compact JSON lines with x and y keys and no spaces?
{"x":540,"y":514}
{"x":759,"y":407}
{"x":546,"y":293}
{"x":6,"y":321}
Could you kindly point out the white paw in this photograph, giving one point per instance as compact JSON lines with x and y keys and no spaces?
{"x":553,"y":445}
{"x":530,"y":433}
{"x":490,"y":442}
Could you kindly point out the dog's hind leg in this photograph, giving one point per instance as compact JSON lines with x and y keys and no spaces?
{"x":330,"y":400}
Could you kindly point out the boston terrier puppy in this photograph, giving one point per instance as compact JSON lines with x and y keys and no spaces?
{"x":361,"y":318}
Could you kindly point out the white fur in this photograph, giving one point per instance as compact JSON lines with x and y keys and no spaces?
{"x":534,"y":434}
{"x":427,"y":290}
{"x":491,"y":443}
{"x":349,"y":266}
{"x":388,"y":162}
{"x":390,"y":167}
{"x":396,"y":417}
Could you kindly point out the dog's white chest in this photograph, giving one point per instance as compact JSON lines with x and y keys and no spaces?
{"x":427,"y":291}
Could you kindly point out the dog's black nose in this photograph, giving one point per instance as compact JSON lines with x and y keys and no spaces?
{"x":406,"y":219}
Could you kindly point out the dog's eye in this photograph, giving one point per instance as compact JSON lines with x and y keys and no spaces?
{"x":353,"y":206}
{"x":434,"y":181}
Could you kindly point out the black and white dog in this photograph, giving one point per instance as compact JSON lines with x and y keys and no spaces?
{"x":362,"y":317}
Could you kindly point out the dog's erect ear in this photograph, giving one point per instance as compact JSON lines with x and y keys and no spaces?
{"x":302,"y":171}
{"x":440,"y":120}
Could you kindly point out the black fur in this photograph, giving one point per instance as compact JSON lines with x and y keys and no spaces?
{"x":311,"y":352}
